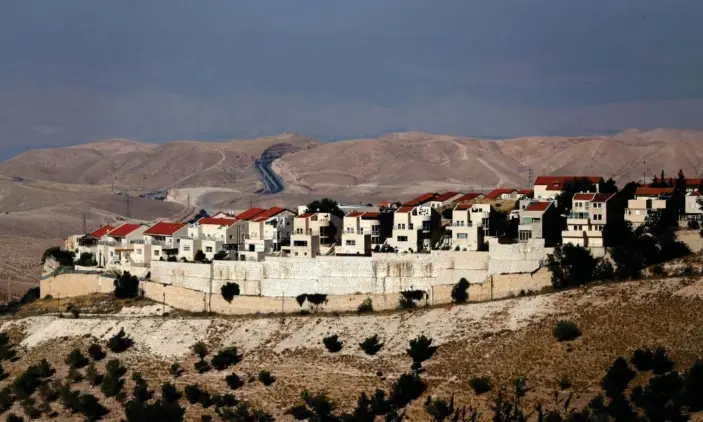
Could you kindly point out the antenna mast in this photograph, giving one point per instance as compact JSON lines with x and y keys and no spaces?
{"x":530,"y":175}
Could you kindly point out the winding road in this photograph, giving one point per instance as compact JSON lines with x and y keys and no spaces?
{"x":272,"y":182}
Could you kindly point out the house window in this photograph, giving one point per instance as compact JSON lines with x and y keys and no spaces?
{"x":208,"y":249}
{"x":156,"y":253}
{"x":402,"y":238}
{"x":525,"y":235}
{"x":351,"y":242}
{"x":139,"y":251}
{"x":462,"y":236}
{"x":186,"y":248}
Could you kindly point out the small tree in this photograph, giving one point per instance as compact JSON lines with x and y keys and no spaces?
{"x":225,"y":358}
{"x":87,"y":259}
{"x":201,"y":366}
{"x":220,"y":256}
{"x":301,"y":299}
{"x":175,"y":370}
{"x":141,"y":390}
{"x":233,"y":381}
{"x":169,"y":393}
{"x":460,"y":293}
{"x":366,"y":306}
{"x":266,"y":378}
{"x":229,"y":291}
{"x":76,"y":359}
{"x":119,"y":342}
{"x":200,"y":349}
{"x":661,"y":363}
{"x":92,"y":375}
{"x":643,"y":359}
{"x":126,"y":286}
{"x":113,"y":382}
{"x":371,"y":345}
{"x":317,"y":299}
{"x":192,"y":393}
{"x":566,"y":331}
{"x":421,"y":349}
{"x":96,"y":352}
{"x":200,"y":257}
{"x":332,"y":343}
{"x":571,"y":265}
{"x":91,"y":408}
{"x":407,"y":388}
{"x":409,"y":298}
{"x":480,"y":385}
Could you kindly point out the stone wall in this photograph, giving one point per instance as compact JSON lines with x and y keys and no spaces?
{"x":517,"y":258}
{"x":72,"y":285}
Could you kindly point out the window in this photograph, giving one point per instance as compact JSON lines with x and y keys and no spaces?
{"x":402,"y":238}
{"x":350,"y":242}
{"x":208,"y":249}
{"x":156,"y":253}
{"x":402,"y":226}
{"x":139,"y":251}
{"x":186,"y":248}
{"x":462,"y":236}
{"x":300,"y":243}
{"x":525,"y":235}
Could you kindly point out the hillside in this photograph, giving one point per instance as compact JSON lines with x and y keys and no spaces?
{"x":502,"y":340}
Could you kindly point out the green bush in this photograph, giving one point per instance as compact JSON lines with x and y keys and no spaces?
{"x":266,"y":378}
{"x":421,"y":349}
{"x":366,"y":306}
{"x":225,"y":358}
{"x":480,"y":385}
{"x":96,"y":352}
{"x":332,"y":343}
{"x":229,"y":291}
{"x":407,"y":388}
{"x":566,"y":331}
{"x":200,"y":349}
{"x":175,"y":370}
{"x":76,"y":359}
{"x":126,"y":286}
{"x":201,"y":366}
{"x":192,"y":393}
{"x":460,"y":291}
{"x":119,"y":342}
{"x":169,"y":393}
{"x":113,"y":382}
{"x":371,"y":345}
{"x":233,"y":381}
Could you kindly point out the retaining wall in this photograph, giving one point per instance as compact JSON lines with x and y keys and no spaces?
{"x":71,"y":285}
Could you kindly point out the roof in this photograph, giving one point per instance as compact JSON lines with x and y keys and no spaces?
{"x":124,"y":229}
{"x":445,"y":196}
{"x":405,"y":209}
{"x":164,"y":228}
{"x":693,"y":183}
{"x":217,"y":221}
{"x":355,"y":214}
{"x":271,"y":212}
{"x":306,"y":215}
{"x":558,"y":182}
{"x":463,"y":207}
{"x":584,"y":196}
{"x":603,"y":197}
{"x":529,"y":192}
{"x":495,"y":193}
{"x":250,"y":213}
{"x":102,"y":231}
{"x":468,"y":197}
{"x":385,"y":204}
{"x":538,"y":206}
{"x":371,"y":215}
{"x":695,"y":193}
{"x":421,"y":199}
{"x":648,"y":191}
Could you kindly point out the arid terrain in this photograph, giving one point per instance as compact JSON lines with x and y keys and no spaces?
{"x":502,"y":339}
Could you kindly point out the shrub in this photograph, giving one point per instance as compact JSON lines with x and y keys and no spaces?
{"x":480,"y":385}
{"x":126,"y":286}
{"x":29,"y":409}
{"x":91,"y":408}
{"x":96,"y":352}
{"x":226,"y":358}
{"x":225,"y":400}
{"x":64,"y":258}
{"x":659,"y":270}
{"x":76,"y":312}
{"x":332,"y":343}
{"x":566,"y":331}
{"x":661,"y":363}
{"x":169,"y":393}
{"x":371,"y":345}
{"x":317,"y":299}
{"x":200,"y":256}
{"x":172,"y":259}
{"x":113,"y":382}
{"x":229,"y":291}
{"x":421,"y":349}
{"x":405,"y":303}
{"x":192,"y":393}
{"x":300,"y":412}
{"x":564,"y":383}
{"x":617,"y":378}
{"x":7,"y":399}
{"x":70,"y":399}
{"x":220,"y":256}
{"x":604,"y":270}
{"x":119,"y":342}
{"x":460,"y":292}
{"x":27,"y":382}
{"x":642,"y":359}
{"x":693,"y":225}
{"x":233,"y":381}
{"x":175,"y":370}
{"x":14,"y":418}
{"x":141,"y":390}
{"x":571,"y":265}
{"x":407,"y":388}
{"x":301,"y":299}
{"x":92,"y":375}
{"x":136,"y":411}
{"x":266,"y":378}
{"x":440,"y":409}
{"x":87,"y":259}
{"x":76,"y":359}
{"x":201,"y":366}
{"x":7,"y":352}
{"x":200,"y":349}
{"x":74,"y":375}
{"x":365,"y":306}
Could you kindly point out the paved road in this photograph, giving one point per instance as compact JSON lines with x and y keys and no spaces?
{"x":272,"y":182}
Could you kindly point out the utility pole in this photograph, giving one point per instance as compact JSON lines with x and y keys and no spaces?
{"x":85,"y":227}
{"x":60,"y":230}
{"x":530,"y":175}
{"x":644,"y":171}
{"x":128,"y":208}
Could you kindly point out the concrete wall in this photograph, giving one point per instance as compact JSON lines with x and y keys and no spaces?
{"x":71,"y":285}
{"x":517,"y":258}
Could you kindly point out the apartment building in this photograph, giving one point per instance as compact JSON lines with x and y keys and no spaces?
{"x":646,"y":201}
{"x":362,"y":232}
{"x":209,"y":235}
{"x":468,"y":197}
{"x":480,"y":215}
{"x":268,"y":233}
{"x":86,"y":243}
{"x":315,"y":234}
{"x":549,"y":187}
{"x":412,"y":227}
{"x":509,"y":194}
{"x":444,"y":199}
{"x":540,"y":220}
{"x":590,"y":212}
{"x":115,"y":247}
{"x":692,"y":209}
{"x":159,"y":241}
{"x":466,"y":235}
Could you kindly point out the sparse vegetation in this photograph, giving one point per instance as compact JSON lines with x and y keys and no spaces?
{"x":226,"y":358}
{"x":460,"y":291}
{"x":366,"y":306}
{"x":200,"y":349}
{"x":96,"y":352}
{"x":126,"y":286}
{"x":76,"y":359}
{"x":421,"y":349}
{"x":566,"y":331}
{"x":371,"y":345}
{"x":175,"y":370}
{"x":266,"y":378}
{"x":233,"y":381}
{"x":480,"y":385}
{"x":229,"y":291}
{"x":119,"y":342}
{"x":332,"y":343}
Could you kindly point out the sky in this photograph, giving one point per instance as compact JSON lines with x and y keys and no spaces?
{"x":76,"y":71}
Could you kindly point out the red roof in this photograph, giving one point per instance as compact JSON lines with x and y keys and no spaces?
{"x":463,"y":207}
{"x":495,"y":193}
{"x":271,"y":212}
{"x":355,"y":214}
{"x":528,"y":192}
{"x":647,"y":191}
{"x":102,"y":231}
{"x":124,"y":229}
{"x":306,"y":215}
{"x":371,"y":215}
{"x":250,"y":213}
{"x":164,"y":228}
{"x":420,"y":199}
{"x":693,"y":183}
{"x":468,"y":197}
{"x":558,"y":182}
{"x":584,"y":196}
{"x":217,"y":221}
{"x":538,"y":206}
{"x":696,"y":193}
{"x":445,"y":196}
{"x":603,"y":197}
{"x":405,"y":209}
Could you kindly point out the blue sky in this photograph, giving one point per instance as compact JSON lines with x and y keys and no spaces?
{"x":74,"y":71}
